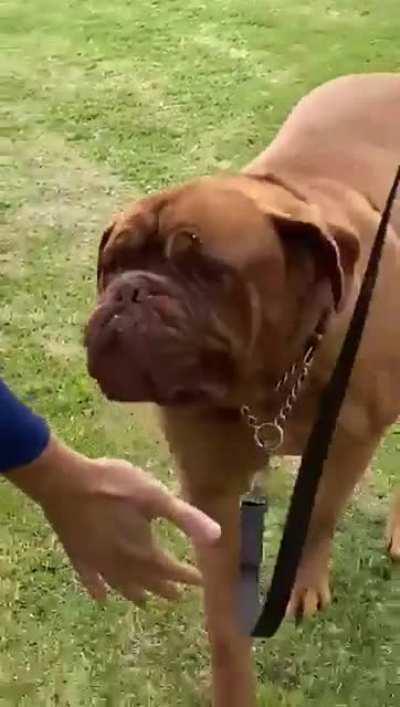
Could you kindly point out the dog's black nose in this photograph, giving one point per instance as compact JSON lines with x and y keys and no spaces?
{"x":131,"y":291}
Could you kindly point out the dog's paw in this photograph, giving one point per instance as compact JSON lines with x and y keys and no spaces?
{"x":311,"y":591}
{"x":393,"y":541}
{"x":308,"y":600}
{"x":393,"y":531}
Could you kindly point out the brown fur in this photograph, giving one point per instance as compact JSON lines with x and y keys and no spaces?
{"x":204,"y":324}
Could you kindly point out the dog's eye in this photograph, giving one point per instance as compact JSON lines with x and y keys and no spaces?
{"x":181,"y":242}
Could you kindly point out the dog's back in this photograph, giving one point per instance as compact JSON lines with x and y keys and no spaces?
{"x":348,"y":129}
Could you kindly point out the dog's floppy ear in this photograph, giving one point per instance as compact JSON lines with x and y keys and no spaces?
{"x":103,"y":242}
{"x":130,"y":228}
{"x":334,"y":248}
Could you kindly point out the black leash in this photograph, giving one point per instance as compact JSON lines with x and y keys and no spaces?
{"x":264,"y":621}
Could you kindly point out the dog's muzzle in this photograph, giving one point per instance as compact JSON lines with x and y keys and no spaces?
{"x":141,"y":342}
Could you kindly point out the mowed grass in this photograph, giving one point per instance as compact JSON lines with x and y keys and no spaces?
{"x":101,"y":102}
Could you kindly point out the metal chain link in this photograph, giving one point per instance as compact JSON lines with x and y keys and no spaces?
{"x":269,"y":436}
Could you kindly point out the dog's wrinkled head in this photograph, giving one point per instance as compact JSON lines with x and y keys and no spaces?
{"x":187,"y":280}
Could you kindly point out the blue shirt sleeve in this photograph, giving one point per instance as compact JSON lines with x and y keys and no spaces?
{"x":23,"y":435}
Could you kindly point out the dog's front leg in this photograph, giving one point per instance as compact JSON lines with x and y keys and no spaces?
{"x":231,"y":651}
{"x":393,"y":528}
{"x":346,"y":463}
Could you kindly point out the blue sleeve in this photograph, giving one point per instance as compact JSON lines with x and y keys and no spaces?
{"x":23,"y":435}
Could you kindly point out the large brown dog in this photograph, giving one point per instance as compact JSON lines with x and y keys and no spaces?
{"x":210,"y":291}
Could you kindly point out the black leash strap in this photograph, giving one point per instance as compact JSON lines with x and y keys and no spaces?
{"x":264,"y":621}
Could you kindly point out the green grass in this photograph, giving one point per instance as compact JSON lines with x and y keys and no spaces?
{"x":103,"y":100}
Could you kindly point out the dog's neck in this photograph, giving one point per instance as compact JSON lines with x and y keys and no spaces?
{"x":281,"y":347}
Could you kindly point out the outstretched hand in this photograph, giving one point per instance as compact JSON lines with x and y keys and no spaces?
{"x":102,"y":510}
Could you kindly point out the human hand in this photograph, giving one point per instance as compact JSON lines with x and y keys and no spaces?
{"x":101,"y":511}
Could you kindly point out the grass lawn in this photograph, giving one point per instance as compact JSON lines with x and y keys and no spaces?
{"x":102,"y":101}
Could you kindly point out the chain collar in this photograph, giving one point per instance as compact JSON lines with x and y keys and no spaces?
{"x":269,"y":436}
